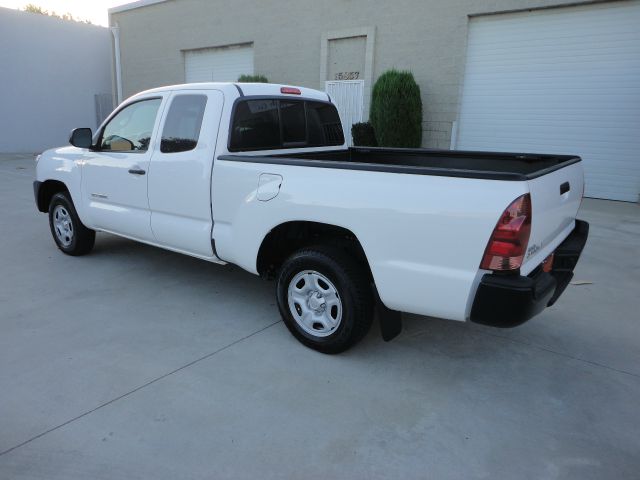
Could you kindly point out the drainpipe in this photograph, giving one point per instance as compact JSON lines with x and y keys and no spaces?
{"x":115,"y":31}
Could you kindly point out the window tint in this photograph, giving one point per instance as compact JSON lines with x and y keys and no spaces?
{"x":323,"y":123}
{"x":182,"y":126}
{"x":130,"y":130}
{"x":294,"y":128}
{"x":257,"y":125}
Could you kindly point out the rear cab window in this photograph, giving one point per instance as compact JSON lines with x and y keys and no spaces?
{"x":277,"y":123}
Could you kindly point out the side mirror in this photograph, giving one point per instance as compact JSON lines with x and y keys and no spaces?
{"x":81,"y":137}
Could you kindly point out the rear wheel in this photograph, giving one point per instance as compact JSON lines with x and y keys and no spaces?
{"x":70,"y":235}
{"x":325,"y":298}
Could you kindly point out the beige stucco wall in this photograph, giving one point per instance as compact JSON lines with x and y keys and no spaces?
{"x":427,"y":37}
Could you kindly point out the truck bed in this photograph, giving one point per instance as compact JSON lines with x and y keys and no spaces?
{"x":451,"y":163}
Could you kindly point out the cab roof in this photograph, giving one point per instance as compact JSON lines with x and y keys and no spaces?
{"x":244,"y":89}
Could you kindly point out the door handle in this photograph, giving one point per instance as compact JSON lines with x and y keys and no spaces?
{"x":136,"y":171}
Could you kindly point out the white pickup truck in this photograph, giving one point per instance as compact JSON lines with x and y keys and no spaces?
{"x":259,"y":175}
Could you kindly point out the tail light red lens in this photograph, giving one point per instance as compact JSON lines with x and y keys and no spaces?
{"x":508,"y":242}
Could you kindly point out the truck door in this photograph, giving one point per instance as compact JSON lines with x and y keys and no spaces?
{"x":180,"y":173}
{"x":114,"y":175}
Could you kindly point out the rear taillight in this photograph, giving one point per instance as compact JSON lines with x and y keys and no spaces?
{"x":508,"y":242}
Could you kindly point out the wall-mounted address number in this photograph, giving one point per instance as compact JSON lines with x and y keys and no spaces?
{"x":347,"y":75}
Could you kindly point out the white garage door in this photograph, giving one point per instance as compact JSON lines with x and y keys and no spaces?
{"x":559,"y":81}
{"x":224,"y":64}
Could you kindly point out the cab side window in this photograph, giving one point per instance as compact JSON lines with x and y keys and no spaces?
{"x":182,"y":126}
{"x":130,"y":130}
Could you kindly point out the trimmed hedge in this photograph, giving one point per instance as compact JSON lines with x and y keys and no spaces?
{"x":253,"y":79}
{"x":396,"y":110}
{"x":363,"y":135}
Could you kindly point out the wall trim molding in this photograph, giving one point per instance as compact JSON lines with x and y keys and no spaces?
{"x":133,"y":5}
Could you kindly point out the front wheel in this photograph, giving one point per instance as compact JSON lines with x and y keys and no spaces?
{"x":325,"y":298}
{"x":70,"y":235}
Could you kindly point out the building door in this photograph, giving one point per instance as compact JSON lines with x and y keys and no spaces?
{"x":221,"y":64}
{"x":348,"y":96}
{"x":561,"y":80}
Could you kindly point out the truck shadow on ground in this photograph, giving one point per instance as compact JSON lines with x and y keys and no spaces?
{"x":419,"y":333}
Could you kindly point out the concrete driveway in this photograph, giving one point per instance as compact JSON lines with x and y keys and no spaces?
{"x":133,"y":362}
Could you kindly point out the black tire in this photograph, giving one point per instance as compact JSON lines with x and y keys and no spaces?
{"x":82,"y":239}
{"x":354,"y":290}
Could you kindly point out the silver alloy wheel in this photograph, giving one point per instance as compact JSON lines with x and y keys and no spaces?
{"x":63,"y":225}
{"x":314,"y":303}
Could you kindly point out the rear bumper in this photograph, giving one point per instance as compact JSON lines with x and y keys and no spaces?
{"x":510,"y":300}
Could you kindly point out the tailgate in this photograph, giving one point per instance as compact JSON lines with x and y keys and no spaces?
{"x":555,"y":200}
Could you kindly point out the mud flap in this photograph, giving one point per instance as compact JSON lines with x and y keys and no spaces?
{"x":390,"y":320}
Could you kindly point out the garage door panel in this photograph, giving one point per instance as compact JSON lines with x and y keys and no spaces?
{"x":223,"y":64}
{"x":572,"y":67}
{"x":559,"y":81}
{"x":586,"y":134}
{"x":561,"y":22}
{"x":534,"y":41}
{"x":601,"y":46}
{"x":551,"y":102}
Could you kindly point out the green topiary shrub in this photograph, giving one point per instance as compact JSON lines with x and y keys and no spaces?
{"x":363,"y":135}
{"x":396,"y":110}
{"x":253,"y":79}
